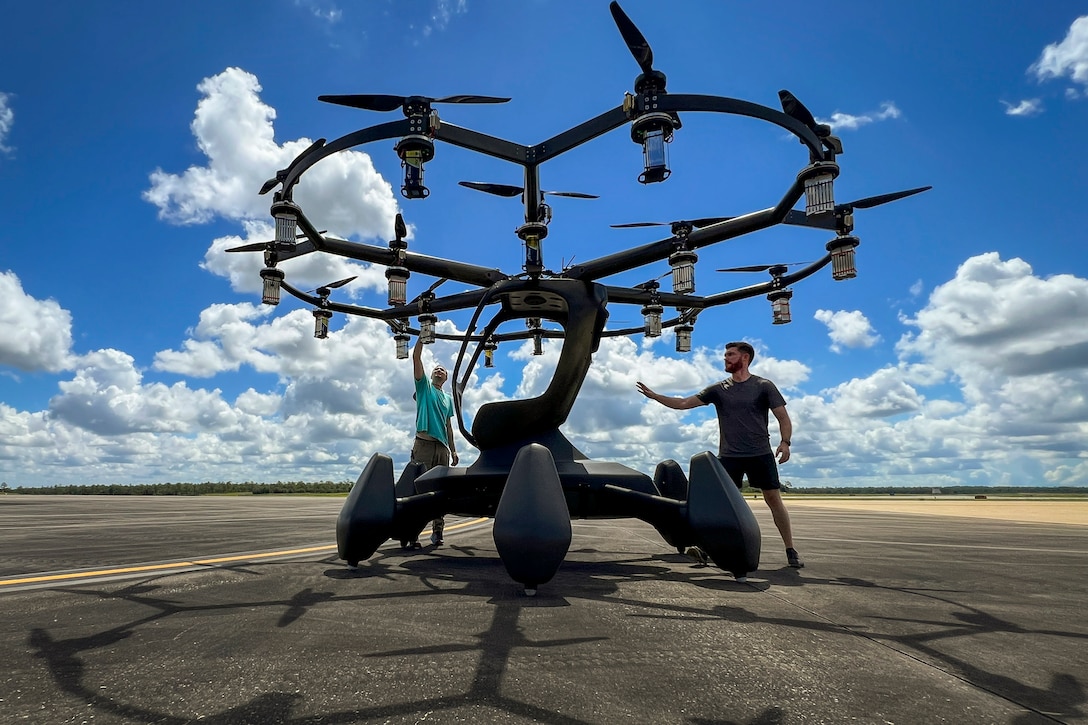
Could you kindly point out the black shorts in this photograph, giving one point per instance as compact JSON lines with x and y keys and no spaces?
{"x":762,"y":471}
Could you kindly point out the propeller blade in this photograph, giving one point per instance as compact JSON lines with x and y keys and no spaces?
{"x":382,"y":102}
{"x":497,"y":189}
{"x":427,"y":291}
{"x":635,"y":40}
{"x":282,"y":174}
{"x":652,"y":284}
{"x":249,"y":247}
{"x":749,"y":268}
{"x":572,"y":194}
{"x":795,"y":109}
{"x":269,"y":185}
{"x":696,"y":223}
{"x":800,"y":219}
{"x":470,"y":99}
{"x":367,"y":102}
{"x":399,"y":227}
{"x":872,"y":201}
{"x":340,"y":283}
{"x":760,"y":267}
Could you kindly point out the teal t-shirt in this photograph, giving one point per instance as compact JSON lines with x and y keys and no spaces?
{"x":433,"y":408}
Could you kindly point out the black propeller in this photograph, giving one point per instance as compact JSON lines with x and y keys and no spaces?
{"x":635,"y":40}
{"x":282,"y":174}
{"x":381,"y":102}
{"x":871,"y":201}
{"x":763,"y":267}
{"x":508,"y":190}
{"x":653,"y":283}
{"x":399,"y":228}
{"x":796,"y":110}
{"x":327,"y":289}
{"x":266,"y":246}
{"x":427,"y":292}
{"x":677,"y":225}
{"x":831,"y":221}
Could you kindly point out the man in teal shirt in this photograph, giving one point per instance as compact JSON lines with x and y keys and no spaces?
{"x":433,"y":445}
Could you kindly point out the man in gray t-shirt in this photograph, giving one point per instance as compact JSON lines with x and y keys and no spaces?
{"x":742,"y":402}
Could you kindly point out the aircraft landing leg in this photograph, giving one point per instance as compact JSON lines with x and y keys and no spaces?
{"x":532,"y":529}
{"x":723,"y":522}
{"x":366,"y":518}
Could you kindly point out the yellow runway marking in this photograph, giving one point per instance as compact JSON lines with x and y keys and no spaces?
{"x":187,"y":564}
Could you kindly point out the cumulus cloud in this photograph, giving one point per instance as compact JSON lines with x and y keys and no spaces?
{"x":336,"y":403}
{"x":35,"y":335}
{"x":883,"y":394}
{"x":106,"y":398}
{"x":1027,"y":107}
{"x":1067,"y":58}
{"x":996,"y":316}
{"x":233,"y":128}
{"x":307,"y":272}
{"x":848,"y":122}
{"x":7,"y":120}
{"x":848,"y":329}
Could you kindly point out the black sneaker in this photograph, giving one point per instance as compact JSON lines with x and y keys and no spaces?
{"x":794,"y":559}
{"x":415,"y":545}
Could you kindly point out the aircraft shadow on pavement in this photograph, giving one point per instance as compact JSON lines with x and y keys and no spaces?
{"x":485,"y":578}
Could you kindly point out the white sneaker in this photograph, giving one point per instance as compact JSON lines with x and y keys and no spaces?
{"x":698,"y":554}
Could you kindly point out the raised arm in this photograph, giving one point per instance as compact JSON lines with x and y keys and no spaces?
{"x":692,"y":401}
{"x":417,"y":360}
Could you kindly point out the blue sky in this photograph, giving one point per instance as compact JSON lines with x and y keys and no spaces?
{"x":134,"y":139}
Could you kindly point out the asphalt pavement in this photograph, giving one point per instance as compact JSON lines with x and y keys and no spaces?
{"x":236,"y":610}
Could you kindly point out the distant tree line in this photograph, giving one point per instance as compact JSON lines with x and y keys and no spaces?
{"x":938,"y":490}
{"x":188,"y":489}
{"x":249,"y":487}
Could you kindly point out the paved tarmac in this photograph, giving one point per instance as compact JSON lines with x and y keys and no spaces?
{"x":236,"y":610}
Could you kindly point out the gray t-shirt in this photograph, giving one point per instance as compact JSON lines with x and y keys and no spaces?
{"x":742,"y":414}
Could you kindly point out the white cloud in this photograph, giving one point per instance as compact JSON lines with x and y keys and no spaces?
{"x":1067,"y":58}
{"x":996,"y":319}
{"x":306,"y":272}
{"x":848,"y":122}
{"x":233,"y":128}
{"x":883,"y":394}
{"x":34,"y":334}
{"x":7,"y":120}
{"x":848,"y":329}
{"x":1027,"y":107}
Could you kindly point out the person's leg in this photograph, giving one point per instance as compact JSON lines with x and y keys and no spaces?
{"x":429,"y":453}
{"x":438,"y":526}
{"x":763,"y":474}
{"x":773,"y":497}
